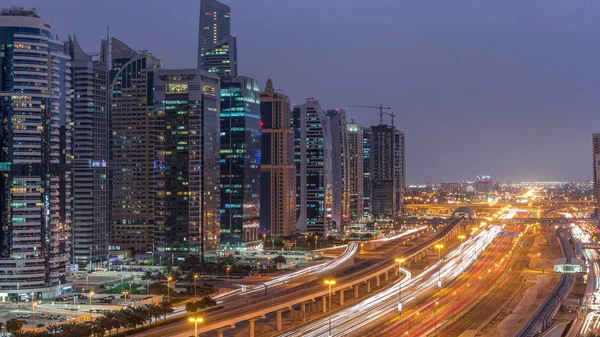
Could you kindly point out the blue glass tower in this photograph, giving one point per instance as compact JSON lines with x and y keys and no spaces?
{"x":240,"y":160}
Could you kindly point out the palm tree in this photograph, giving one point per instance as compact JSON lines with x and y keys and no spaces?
{"x":166,"y":308}
{"x":143,"y":313}
{"x":154,"y":311}
{"x":105,"y":323}
{"x":14,"y":325}
{"x":98,"y":327}
{"x":280,"y":259}
{"x":148,"y":275}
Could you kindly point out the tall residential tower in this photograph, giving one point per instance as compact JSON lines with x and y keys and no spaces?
{"x":277,"y":169}
{"x":383,"y":156}
{"x":35,"y":157}
{"x":90,"y":156}
{"x":186,"y":162}
{"x":131,"y":83}
{"x":312,"y":156}
{"x":340,"y":214}
{"x":596,"y":158}
{"x":354,"y":135}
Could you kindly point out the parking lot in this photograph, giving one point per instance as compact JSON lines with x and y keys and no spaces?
{"x":38,"y":319}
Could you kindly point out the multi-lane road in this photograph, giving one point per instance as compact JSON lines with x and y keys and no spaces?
{"x":466,"y":302}
{"x":363,"y":317}
{"x":280,"y":288}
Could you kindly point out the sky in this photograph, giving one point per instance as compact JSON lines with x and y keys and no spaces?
{"x":507,"y":88}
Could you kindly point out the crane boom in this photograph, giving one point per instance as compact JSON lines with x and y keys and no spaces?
{"x":380,"y":107}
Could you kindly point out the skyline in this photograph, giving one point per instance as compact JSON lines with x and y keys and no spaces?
{"x":534,"y":70}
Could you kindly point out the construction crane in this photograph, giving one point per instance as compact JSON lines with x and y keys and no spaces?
{"x":392,"y":115}
{"x":380,"y":107}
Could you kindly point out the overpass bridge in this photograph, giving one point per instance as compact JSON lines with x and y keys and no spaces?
{"x":302,"y":296}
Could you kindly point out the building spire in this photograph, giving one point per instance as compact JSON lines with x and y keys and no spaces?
{"x":269,"y":87}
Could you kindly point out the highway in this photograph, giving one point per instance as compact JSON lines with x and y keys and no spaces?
{"x":467,"y":301}
{"x":361,"y":317}
{"x":542,"y":317}
{"x":280,"y":288}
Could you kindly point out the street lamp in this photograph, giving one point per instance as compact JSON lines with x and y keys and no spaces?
{"x":33,"y":304}
{"x":268,"y":264}
{"x":454,"y":307}
{"x":228,"y":269}
{"x":435,"y":317}
{"x":196,"y":321}
{"x":316,"y":242}
{"x":265,"y":240}
{"x":169,"y":288}
{"x":195,"y":288}
{"x":439,"y":248}
{"x":91,"y":295}
{"x":400,"y":261}
{"x":329,"y":283}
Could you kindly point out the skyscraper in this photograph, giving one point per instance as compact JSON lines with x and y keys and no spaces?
{"x":131,"y":82}
{"x":35,"y":157}
{"x":400,"y":178}
{"x":90,"y":156}
{"x":277,"y":169}
{"x":217,"y":48}
{"x":384,"y":150}
{"x":186,"y":169}
{"x":312,"y":156}
{"x":367,"y":173}
{"x":240,"y":160}
{"x":596,"y":158}
{"x":354,"y":135}
{"x":215,"y":25}
{"x":221,"y":58}
{"x":340,"y":214}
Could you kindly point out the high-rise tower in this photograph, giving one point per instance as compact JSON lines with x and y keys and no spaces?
{"x":312,"y":156}
{"x":340,"y":214}
{"x":186,"y":166}
{"x":240,"y":160}
{"x":131,"y":82}
{"x":384,"y":150}
{"x":35,"y":157}
{"x":217,"y":48}
{"x":400,"y":178}
{"x":596,"y":163}
{"x":277,"y":169}
{"x":354,"y":137}
{"x":367,"y":173}
{"x":90,"y":156}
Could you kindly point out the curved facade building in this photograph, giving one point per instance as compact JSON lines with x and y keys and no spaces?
{"x":131,"y":147}
{"x":312,"y":156}
{"x":35,"y":177}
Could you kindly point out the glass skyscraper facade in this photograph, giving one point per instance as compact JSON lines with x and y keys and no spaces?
{"x":35,"y":157}
{"x":384,"y":171}
{"x":217,"y":48}
{"x":312,"y":156}
{"x":186,"y":168}
{"x":90,"y":156}
{"x":215,"y":25}
{"x":340,"y":214}
{"x":240,"y":160}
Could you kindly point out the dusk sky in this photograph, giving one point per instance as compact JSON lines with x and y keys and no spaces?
{"x":508,"y":88}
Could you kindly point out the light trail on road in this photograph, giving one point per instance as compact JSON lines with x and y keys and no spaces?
{"x":355,"y":317}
